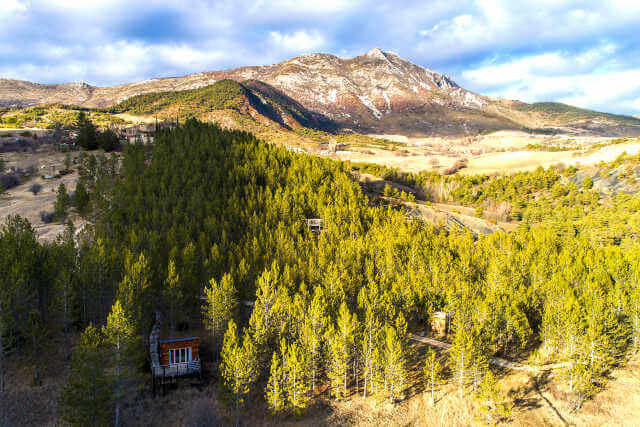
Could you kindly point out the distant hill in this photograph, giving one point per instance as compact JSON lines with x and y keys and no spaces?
{"x":251,"y":98}
{"x":378,"y":92}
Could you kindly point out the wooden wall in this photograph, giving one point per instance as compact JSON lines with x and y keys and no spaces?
{"x":165,"y":347}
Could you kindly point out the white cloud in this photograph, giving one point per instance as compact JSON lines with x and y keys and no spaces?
{"x":555,"y":76}
{"x":298,"y":41}
{"x":11,"y":8}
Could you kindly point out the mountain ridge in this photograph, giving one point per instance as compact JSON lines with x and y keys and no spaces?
{"x":377,"y":92}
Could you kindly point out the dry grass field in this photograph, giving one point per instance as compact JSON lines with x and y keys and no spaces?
{"x":20,"y":201}
{"x":500,"y":152}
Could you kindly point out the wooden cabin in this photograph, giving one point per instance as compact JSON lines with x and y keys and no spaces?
{"x":178,"y":356}
{"x":316,"y":225}
{"x":440,"y":323}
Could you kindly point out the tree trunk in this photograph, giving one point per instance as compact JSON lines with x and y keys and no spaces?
{"x":1,"y":355}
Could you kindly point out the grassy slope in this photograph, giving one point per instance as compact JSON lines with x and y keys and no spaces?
{"x":222,"y":95}
{"x":50,"y":115}
{"x":568,"y":114}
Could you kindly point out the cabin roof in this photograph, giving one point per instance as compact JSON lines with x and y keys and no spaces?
{"x":168,"y":340}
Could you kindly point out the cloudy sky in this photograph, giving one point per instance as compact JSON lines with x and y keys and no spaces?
{"x":586,"y":53}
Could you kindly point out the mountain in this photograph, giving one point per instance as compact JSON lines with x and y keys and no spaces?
{"x":378,"y":92}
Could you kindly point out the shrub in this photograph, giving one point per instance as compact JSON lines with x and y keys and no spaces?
{"x":35,"y":188}
{"x":46,"y":217}
{"x":459,"y":164}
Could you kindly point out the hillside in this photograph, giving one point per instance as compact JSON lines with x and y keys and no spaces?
{"x":252,"y":99}
{"x":378,"y":92}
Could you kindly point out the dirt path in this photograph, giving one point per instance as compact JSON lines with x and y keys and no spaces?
{"x":496,"y":361}
{"x":437,"y":213}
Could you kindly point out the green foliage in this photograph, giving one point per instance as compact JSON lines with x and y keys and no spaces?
{"x":119,"y":337}
{"x":63,"y":202}
{"x":432,"y":372}
{"x":568,"y":113}
{"x":275,"y":393}
{"x":206,"y":203}
{"x":223,"y":94}
{"x":296,"y":374}
{"x":220,"y":304}
{"x":87,"y":133}
{"x":587,"y":183}
{"x":392,"y":358}
{"x":81,"y":198}
{"x":237,"y":367}
{"x":342,"y":348}
{"x":87,"y":398}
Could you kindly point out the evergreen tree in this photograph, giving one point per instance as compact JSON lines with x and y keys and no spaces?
{"x":37,"y":343}
{"x":172,"y":293}
{"x":81,"y":198}
{"x":62,"y":202}
{"x":88,"y":396}
{"x":297,"y":379}
{"x":107,"y":140}
{"x":432,"y":372}
{"x":87,"y":134}
{"x":237,"y":367}
{"x":275,"y":393}
{"x":341,"y":348}
{"x":312,"y":333}
{"x":220,"y":303}
{"x":392,"y":374}
{"x":133,"y":291}
{"x":119,"y":337}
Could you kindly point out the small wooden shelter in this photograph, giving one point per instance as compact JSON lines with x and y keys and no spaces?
{"x":316,"y":225}
{"x":172,"y":357}
{"x":440,"y":323}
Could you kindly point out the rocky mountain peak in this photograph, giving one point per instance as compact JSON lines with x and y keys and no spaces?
{"x":377,"y":53}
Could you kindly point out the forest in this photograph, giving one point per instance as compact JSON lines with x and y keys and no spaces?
{"x":207,"y":218}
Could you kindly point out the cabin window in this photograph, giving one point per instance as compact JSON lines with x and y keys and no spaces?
{"x":179,"y":355}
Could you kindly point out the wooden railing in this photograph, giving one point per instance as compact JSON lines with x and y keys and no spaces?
{"x":177,"y":369}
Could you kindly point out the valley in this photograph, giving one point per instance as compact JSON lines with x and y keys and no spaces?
{"x":343,"y":239}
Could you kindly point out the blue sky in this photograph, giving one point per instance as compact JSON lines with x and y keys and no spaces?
{"x":586,"y":53}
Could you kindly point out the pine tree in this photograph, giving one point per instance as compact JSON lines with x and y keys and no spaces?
{"x":432,"y":372}
{"x":220,"y":303}
{"x":297,"y":379}
{"x":341,"y":348}
{"x":38,"y":341}
{"x":87,"y":397}
{"x":392,"y":373}
{"x":172,"y":293}
{"x":81,"y":198}
{"x":368,"y":303}
{"x":275,"y":393}
{"x":87,"y":135}
{"x":312,"y":333}
{"x":119,"y":336}
{"x":62,"y":202}
{"x":237,"y":367}
{"x":467,"y":355}
{"x":133,"y":291}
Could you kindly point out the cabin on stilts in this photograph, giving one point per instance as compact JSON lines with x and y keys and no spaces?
{"x":172,"y":357}
{"x":316,"y":225}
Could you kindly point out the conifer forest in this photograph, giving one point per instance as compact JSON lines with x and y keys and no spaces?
{"x":208,"y":226}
